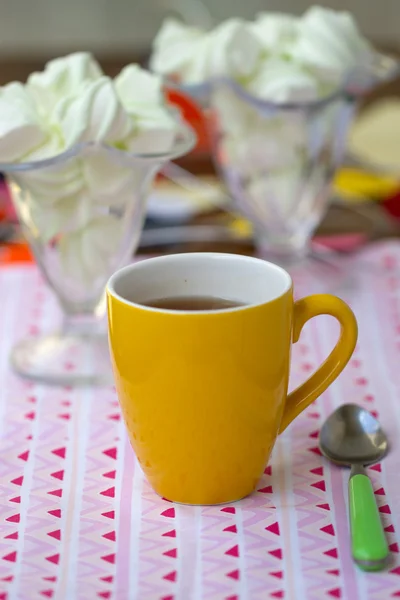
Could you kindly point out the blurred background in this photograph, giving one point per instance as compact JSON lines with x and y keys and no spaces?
{"x":121,"y":30}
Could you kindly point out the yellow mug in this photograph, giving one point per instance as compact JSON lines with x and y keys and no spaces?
{"x":204,"y":394}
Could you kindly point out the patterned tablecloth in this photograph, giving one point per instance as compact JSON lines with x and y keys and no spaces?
{"x":79,"y":521}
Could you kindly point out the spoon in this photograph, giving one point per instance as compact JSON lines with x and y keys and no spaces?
{"x":352,"y":436}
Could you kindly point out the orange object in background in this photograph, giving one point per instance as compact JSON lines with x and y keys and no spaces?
{"x":193,"y":115}
{"x":11,"y":254}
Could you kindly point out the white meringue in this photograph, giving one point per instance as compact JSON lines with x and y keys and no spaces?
{"x":154,"y":134}
{"x":141,"y":95}
{"x":278,"y":57}
{"x":20,"y":126}
{"x":175,"y":47}
{"x":330,"y":43}
{"x":106,"y":179}
{"x":193,"y":55}
{"x":62,"y":77}
{"x":88,"y":252}
{"x":280,"y":81}
{"x":276,"y":31}
{"x":137,"y":87}
{"x":198,"y":71}
{"x":253,"y":140}
{"x":234,"y":116}
{"x":233,"y":50}
{"x":65,"y":215}
{"x":61,"y":178}
{"x":274,"y":197}
{"x":263,"y":149}
{"x":81,"y":201}
{"x":94,"y":115}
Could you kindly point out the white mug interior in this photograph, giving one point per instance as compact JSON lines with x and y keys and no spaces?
{"x":241,"y":279}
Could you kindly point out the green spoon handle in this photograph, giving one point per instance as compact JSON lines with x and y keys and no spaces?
{"x":368,"y":541}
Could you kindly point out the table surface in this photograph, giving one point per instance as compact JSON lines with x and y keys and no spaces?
{"x":79,"y":521}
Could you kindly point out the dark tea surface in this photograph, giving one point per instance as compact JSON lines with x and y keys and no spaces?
{"x":192,"y":303}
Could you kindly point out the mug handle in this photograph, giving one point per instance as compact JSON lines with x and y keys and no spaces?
{"x":305,"y":309}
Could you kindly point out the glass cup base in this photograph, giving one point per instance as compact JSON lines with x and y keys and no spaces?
{"x":64,"y":359}
{"x":323,"y":270}
{"x":285,"y":251}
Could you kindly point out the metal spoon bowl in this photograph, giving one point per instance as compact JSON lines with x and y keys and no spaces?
{"x":351,"y":435}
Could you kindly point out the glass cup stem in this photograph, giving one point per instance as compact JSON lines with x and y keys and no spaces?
{"x":83,"y":325}
{"x":282,"y":250}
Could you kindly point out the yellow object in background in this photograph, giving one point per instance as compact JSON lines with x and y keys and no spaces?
{"x":358,"y":185}
{"x":374,"y":137}
{"x":374,"y":142}
{"x":241,"y":226}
